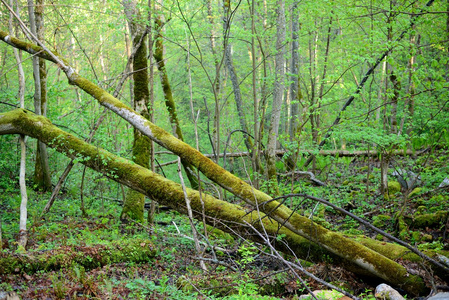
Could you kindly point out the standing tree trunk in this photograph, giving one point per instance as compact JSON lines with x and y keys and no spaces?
{"x":217,"y":81}
{"x":134,"y":202}
{"x":295,"y":89}
{"x":42,"y":179}
{"x":233,"y":74}
{"x":23,"y":236}
{"x":169,"y":101}
{"x":387,"y":126}
{"x":152,"y":209}
{"x":256,"y":163}
{"x":277,"y":98}
{"x":409,"y":105}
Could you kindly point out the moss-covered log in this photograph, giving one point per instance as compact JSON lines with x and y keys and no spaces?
{"x":436,"y":219}
{"x":225,"y":215}
{"x":396,"y":252}
{"x":89,"y":257}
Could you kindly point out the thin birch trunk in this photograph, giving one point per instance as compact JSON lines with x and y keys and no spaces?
{"x":23,"y":236}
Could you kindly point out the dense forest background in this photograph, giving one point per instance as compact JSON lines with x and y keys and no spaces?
{"x":332,"y":45}
{"x":327,"y":98}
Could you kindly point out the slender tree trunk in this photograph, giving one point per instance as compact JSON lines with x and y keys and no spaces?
{"x":217,"y":86}
{"x":387,"y":124}
{"x":134,"y":202}
{"x":23,"y":236}
{"x":409,"y":105}
{"x":233,"y":74}
{"x":42,"y":178}
{"x":277,"y":97}
{"x":313,"y":103}
{"x":169,"y":101}
{"x":152,"y":210}
{"x":396,"y":85}
{"x":295,"y":91}
{"x":256,"y":163}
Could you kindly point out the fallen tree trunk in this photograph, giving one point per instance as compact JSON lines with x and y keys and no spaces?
{"x":221,"y":214}
{"x":340,"y":153}
{"x":89,"y":257}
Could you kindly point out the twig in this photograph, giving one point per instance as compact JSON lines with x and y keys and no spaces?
{"x":293,"y":266}
{"x":216,"y":261}
{"x":312,"y":176}
{"x":366,"y":223}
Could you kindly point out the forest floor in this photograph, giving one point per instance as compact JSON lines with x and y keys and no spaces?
{"x":97,"y":257}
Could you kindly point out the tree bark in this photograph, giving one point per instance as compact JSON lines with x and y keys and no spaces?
{"x":277,"y":98}
{"x":255,"y":159}
{"x":169,"y":101}
{"x":295,"y":91}
{"x":23,"y":236}
{"x":216,"y":86}
{"x":133,"y":206}
{"x":229,"y":217}
{"x":42,"y":178}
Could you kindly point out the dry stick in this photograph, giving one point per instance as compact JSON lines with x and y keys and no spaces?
{"x":195,"y":123}
{"x":190,"y":214}
{"x":92,"y":133}
{"x":387,"y":235}
{"x":362,"y":84}
{"x":310,"y":174}
{"x":293,"y":266}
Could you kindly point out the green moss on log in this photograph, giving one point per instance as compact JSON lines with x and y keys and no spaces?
{"x":427,"y":220}
{"x":89,"y":257}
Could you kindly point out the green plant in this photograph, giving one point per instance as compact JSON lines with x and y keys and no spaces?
{"x":59,"y":285}
{"x":142,"y":288}
{"x":367,"y":295}
{"x":247,"y":253}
